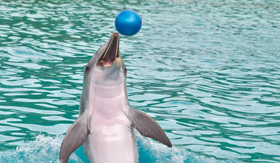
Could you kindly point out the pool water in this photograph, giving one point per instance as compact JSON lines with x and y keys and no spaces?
{"x":206,"y":70}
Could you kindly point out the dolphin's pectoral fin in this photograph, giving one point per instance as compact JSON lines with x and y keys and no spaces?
{"x":74,"y":137}
{"x":147,"y":127}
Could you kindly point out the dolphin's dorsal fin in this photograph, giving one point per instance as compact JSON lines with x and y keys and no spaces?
{"x":147,"y":127}
{"x":74,"y":137}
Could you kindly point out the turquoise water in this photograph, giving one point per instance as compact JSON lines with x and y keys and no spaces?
{"x":206,"y":71}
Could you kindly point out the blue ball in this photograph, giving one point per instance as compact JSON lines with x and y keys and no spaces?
{"x":128,"y":22}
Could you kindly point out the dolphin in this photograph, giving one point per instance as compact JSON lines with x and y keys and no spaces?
{"x":106,"y":121}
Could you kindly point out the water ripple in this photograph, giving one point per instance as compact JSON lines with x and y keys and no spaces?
{"x":206,"y":71}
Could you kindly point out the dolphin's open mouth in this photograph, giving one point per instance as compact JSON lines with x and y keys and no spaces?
{"x":111,"y":52}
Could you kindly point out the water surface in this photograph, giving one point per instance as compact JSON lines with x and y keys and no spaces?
{"x":206,"y":71}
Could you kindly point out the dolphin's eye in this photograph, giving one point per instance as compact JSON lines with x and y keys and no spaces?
{"x":125,"y":70}
{"x":87,"y":68}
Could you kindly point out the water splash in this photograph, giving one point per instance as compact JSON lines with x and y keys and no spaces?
{"x":47,"y":148}
{"x":42,"y":149}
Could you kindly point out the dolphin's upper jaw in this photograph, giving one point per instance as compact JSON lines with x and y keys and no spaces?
{"x":111,"y":52}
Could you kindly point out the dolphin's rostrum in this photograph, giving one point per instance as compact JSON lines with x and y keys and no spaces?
{"x":106,"y":121}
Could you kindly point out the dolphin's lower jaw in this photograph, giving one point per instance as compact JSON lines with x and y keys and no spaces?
{"x":111,"y":52}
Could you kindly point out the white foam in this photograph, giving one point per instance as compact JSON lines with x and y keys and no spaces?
{"x":166,"y":154}
{"x":47,"y":148}
{"x":42,"y":149}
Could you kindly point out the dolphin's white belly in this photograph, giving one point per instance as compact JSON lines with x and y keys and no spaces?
{"x":114,"y":144}
{"x":111,"y":138}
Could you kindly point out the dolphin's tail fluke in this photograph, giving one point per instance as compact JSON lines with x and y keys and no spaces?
{"x":147,"y":127}
{"x":74,"y":137}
